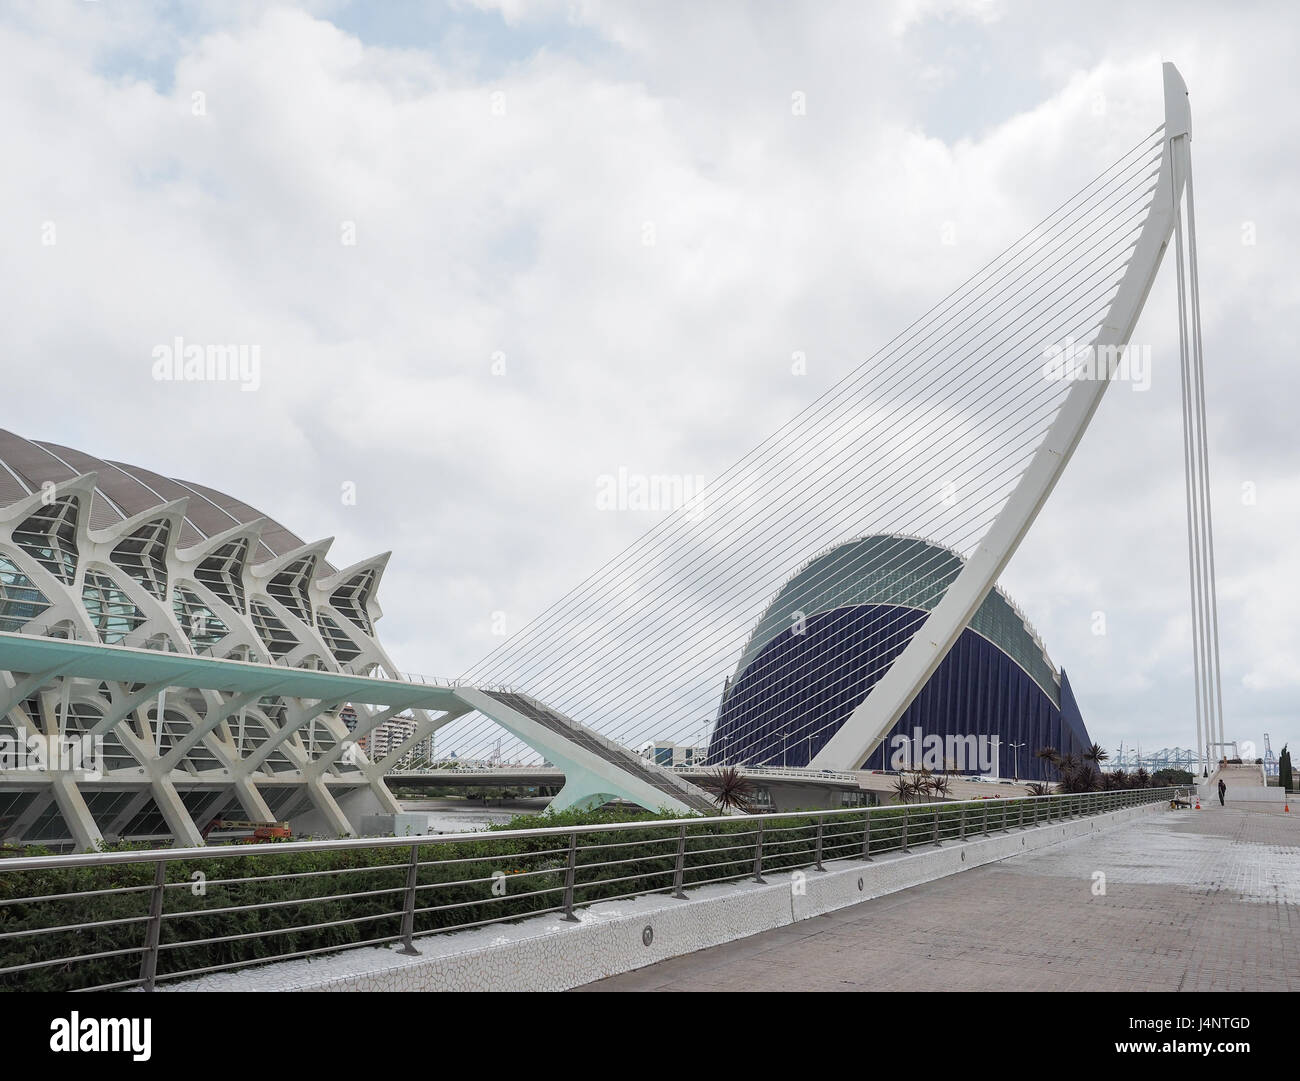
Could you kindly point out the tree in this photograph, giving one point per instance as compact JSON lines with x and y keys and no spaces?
{"x":1050,"y":756}
{"x":731,"y":790}
{"x":1284,"y":777}
{"x":1096,"y":754}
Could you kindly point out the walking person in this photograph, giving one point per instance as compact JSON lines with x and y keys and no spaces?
{"x":1223,"y":789}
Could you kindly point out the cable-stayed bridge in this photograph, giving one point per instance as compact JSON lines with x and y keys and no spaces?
{"x":956,"y":431}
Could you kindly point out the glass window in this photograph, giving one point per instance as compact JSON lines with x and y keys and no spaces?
{"x":20,"y":600}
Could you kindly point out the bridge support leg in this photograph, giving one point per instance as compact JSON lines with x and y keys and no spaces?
{"x":572,"y":797}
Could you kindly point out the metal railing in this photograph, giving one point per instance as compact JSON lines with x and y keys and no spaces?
{"x":773,"y":771}
{"x":137,"y":918}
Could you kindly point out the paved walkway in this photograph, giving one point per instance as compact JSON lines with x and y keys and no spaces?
{"x":1194,"y":900}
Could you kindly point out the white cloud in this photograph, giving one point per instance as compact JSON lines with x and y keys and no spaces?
{"x":516,"y":225}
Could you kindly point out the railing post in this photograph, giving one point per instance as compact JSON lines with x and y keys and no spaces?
{"x":1022,"y":814}
{"x":821,"y":823}
{"x":679,"y":871}
{"x":408,"y":909}
{"x":570,"y":873}
{"x":903,"y":847}
{"x":985,"y":817}
{"x":866,"y":837}
{"x":937,"y":842}
{"x":153,"y":929}
{"x":962,"y":833}
{"x":758,"y":854}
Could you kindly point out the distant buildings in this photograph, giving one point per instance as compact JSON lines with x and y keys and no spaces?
{"x":665,"y":753}
{"x":389,"y":736}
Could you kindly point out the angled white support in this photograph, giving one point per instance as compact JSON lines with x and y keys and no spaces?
{"x":124,"y":817}
{"x":178,"y":819}
{"x":886,"y":702}
{"x":23,"y":688}
{"x":35,"y":809}
{"x":128,"y":705}
{"x":72,"y":805}
{"x":589,"y":779}
{"x":278,"y":737}
{"x":322,"y":763}
{"x":214,"y":716}
{"x":324,"y":802}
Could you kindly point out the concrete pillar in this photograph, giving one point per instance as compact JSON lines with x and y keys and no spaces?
{"x":325,"y":804}
{"x":72,"y":805}
{"x":174,"y":813}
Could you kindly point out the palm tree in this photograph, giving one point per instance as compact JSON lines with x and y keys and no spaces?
{"x":1096,"y":754}
{"x":1049,"y":755}
{"x":731,"y":789}
{"x":1037,"y":788}
{"x":902,"y":788}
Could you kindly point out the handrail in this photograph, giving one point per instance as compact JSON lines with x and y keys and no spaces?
{"x":143,"y":929}
{"x":171,"y":855}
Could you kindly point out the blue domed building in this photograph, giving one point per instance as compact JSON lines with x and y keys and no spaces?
{"x":833,"y":631}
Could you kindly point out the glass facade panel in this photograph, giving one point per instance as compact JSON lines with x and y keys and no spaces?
{"x":20,"y":600}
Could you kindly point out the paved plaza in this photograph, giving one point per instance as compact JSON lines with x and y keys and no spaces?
{"x":1193,"y":900}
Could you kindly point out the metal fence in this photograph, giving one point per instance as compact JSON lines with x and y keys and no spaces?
{"x":136,"y":917}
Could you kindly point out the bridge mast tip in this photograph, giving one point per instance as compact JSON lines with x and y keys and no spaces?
{"x":1178,"y":111}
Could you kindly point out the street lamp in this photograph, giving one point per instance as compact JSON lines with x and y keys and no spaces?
{"x":1017,"y":747}
{"x":909,"y":740}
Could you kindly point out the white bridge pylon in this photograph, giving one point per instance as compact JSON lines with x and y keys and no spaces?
{"x":887,"y":700}
{"x":596,"y":769}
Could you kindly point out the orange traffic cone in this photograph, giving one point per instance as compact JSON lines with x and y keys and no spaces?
{"x":1198,"y":803}
{"x":1286,"y":808}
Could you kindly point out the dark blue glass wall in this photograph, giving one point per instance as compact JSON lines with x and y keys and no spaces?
{"x":802,"y":687}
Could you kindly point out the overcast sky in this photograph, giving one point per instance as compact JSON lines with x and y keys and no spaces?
{"x":432,"y":222}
